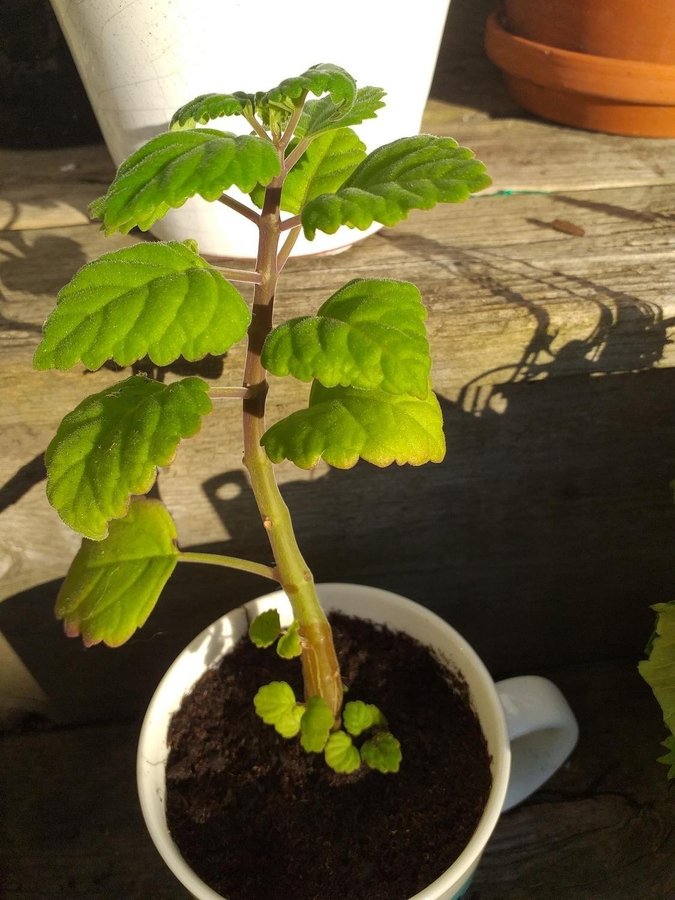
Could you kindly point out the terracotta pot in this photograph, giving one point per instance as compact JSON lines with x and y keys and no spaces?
{"x":529,"y":728}
{"x":607,"y":67}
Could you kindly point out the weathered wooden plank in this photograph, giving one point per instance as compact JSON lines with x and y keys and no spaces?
{"x":555,"y":368}
{"x":601,"y":828}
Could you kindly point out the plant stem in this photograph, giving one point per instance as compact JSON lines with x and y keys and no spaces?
{"x":241,"y":208}
{"x":230,"y":562}
{"x":319,"y":661}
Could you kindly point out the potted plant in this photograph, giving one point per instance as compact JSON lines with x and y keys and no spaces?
{"x":366,"y":353}
{"x":607,"y":67}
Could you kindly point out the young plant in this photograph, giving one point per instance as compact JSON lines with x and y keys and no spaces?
{"x":364,"y":351}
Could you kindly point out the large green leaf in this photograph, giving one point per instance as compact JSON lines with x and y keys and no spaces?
{"x":324,"y":78}
{"x":212,"y":106}
{"x":176,"y":165}
{"x":659,"y":672}
{"x":324,"y":115}
{"x":370,"y":334}
{"x":326,"y":163}
{"x":410,"y":173}
{"x":343,"y":424}
{"x":159,"y":300}
{"x":113,"y":585}
{"x":109,"y":447}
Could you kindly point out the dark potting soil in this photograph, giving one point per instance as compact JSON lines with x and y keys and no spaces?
{"x":259,"y":819}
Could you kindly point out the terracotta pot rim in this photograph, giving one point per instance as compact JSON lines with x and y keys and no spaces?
{"x":622,"y":80}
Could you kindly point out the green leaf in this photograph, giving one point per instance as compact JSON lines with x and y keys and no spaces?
{"x":315,"y":725}
{"x":161,"y":300}
{"x":212,"y":106}
{"x":176,"y":165}
{"x":276,"y":705}
{"x":113,"y":585}
{"x":343,"y":424}
{"x":109,"y":446}
{"x":341,"y":754}
{"x":370,"y":334}
{"x":382,"y":752}
{"x":324,"y":115}
{"x":265,"y":628}
{"x":322,"y":168}
{"x":290,"y":646}
{"x":669,"y":758}
{"x":659,"y":670}
{"x":359,"y":717}
{"x":410,"y":173}
{"x":321,"y":79}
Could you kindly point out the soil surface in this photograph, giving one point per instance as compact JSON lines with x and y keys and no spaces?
{"x":259,"y":819}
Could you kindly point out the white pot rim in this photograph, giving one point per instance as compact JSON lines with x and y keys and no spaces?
{"x":206,"y":650}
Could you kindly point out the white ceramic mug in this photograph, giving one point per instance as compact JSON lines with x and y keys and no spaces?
{"x":141,"y":61}
{"x":528,"y":725}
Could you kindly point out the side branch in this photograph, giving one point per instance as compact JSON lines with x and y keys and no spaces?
{"x":241,"y":208}
{"x":230,"y":562}
{"x":240,"y":274}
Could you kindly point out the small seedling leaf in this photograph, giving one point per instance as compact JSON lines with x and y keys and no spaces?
{"x":160,"y":300}
{"x":315,"y":726}
{"x":177,"y":165}
{"x":323,"y":115}
{"x":321,"y":79}
{"x":659,"y":672}
{"x":290,"y":646}
{"x":113,"y":585}
{"x":212,"y":106}
{"x":265,"y":628}
{"x":341,"y":754}
{"x":358,"y":717}
{"x":382,"y":752}
{"x":109,"y":447}
{"x":370,"y":334}
{"x":276,"y":705}
{"x":342,"y":425}
{"x":410,"y":173}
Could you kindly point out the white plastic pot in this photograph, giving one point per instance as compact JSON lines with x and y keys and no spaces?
{"x":529,"y":728}
{"x":141,"y":61}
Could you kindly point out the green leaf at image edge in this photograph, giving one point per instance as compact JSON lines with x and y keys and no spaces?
{"x":659,"y":672}
{"x":109,"y":447}
{"x":156,"y":299}
{"x":113,"y":585}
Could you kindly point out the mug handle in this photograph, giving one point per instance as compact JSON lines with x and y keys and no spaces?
{"x":542,"y":730}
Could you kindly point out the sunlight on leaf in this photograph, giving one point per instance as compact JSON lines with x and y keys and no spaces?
{"x":370,"y":334}
{"x":109,"y":447}
{"x":324,"y":115}
{"x":410,"y":173}
{"x":160,"y":300}
{"x":211,"y":106}
{"x":342,"y":425}
{"x":176,"y":165}
{"x":113,"y":585}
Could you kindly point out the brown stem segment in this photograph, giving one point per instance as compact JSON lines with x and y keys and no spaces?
{"x":320,"y":667}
